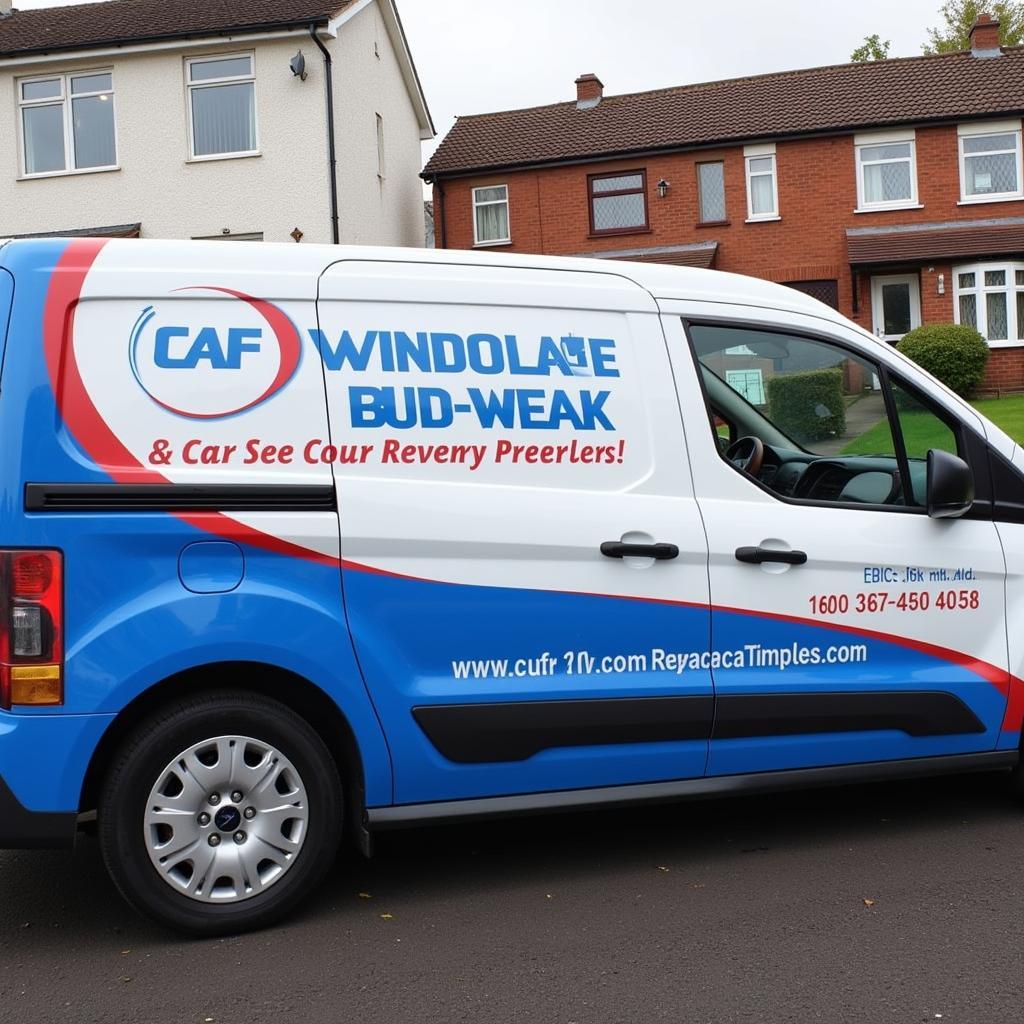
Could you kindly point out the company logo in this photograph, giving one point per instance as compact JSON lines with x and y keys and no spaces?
{"x":210,"y":360}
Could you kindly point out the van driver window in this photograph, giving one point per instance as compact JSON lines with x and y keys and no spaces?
{"x":809,"y":420}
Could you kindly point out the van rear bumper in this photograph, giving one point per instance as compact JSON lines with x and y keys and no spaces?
{"x":22,"y":829}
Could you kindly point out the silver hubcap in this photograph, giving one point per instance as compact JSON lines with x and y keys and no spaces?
{"x":226,"y":819}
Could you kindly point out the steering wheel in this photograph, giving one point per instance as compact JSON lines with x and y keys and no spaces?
{"x":747,"y":454}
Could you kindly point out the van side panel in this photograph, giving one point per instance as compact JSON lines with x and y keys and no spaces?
{"x":135,"y":610}
{"x":502,"y":426}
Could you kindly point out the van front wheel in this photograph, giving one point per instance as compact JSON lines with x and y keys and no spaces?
{"x":221,"y":814}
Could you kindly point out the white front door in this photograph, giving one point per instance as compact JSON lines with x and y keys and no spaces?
{"x":895,"y":306}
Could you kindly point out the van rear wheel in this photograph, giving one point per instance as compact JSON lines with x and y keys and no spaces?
{"x":221,"y":814}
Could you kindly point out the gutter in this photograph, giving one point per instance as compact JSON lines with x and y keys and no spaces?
{"x":332,"y":149}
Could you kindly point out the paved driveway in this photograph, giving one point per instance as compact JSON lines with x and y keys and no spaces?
{"x":887,"y":903}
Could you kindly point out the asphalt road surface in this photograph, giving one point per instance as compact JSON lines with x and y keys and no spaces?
{"x":899,"y":903}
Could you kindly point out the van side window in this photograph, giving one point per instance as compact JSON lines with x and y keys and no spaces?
{"x":810,"y":420}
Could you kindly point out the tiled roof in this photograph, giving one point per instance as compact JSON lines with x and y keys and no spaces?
{"x":698,"y":254}
{"x":84,"y":26}
{"x":952,"y":239}
{"x":841,"y":97}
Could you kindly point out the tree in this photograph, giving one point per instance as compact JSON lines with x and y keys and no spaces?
{"x":872,"y":49}
{"x":960,"y":15}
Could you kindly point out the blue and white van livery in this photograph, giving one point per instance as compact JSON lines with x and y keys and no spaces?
{"x":297,"y":541}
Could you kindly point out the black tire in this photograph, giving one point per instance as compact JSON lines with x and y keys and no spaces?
{"x":136,"y":769}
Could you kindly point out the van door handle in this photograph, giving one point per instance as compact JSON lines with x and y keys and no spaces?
{"x":617,"y":549}
{"x":757,"y":556}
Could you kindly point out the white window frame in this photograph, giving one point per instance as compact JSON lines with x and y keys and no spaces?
{"x":1014,"y":329}
{"x":207,"y":83}
{"x":65,"y":99}
{"x":381,"y":165}
{"x":491,"y":202}
{"x":973,"y":130}
{"x":751,"y":153}
{"x":895,"y":138}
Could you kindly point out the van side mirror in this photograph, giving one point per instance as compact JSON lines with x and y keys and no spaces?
{"x":950,"y":485}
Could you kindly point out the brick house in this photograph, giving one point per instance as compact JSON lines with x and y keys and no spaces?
{"x":893,"y":190}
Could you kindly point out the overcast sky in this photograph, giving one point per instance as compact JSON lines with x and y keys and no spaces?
{"x":480,"y":55}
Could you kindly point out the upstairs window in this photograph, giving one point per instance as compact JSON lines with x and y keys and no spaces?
{"x":762,"y":186}
{"x":886,"y":171}
{"x":67,"y":123}
{"x":711,"y":185}
{"x":222,"y":106}
{"x":618,"y":202}
{"x":990,"y":162}
{"x":490,"y":215}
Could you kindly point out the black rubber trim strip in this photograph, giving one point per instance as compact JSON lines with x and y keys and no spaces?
{"x":451,"y":811}
{"x":487,"y":733}
{"x":180,"y":498}
{"x":491,"y":733}
{"x":22,"y":829}
{"x":914,"y":712}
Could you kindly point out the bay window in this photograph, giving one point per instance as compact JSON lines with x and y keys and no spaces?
{"x":990,"y":161}
{"x":886,"y":170}
{"x":990,"y":297}
{"x":67,"y":123}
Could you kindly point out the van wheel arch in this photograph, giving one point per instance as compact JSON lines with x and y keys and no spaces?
{"x":303,"y":697}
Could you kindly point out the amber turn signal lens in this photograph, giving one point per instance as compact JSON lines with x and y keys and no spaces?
{"x":37,"y":685}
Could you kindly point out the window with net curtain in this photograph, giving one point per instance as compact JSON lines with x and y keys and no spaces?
{"x":711,"y":185}
{"x":222,"y":98}
{"x":886,"y":174}
{"x":990,"y":165}
{"x":990,"y":297}
{"x":762,"y":199}
{"x":490,"y":214}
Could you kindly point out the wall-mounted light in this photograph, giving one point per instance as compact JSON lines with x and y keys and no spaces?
{"x":663,"y":187}
{"x":298,"y":66}
{"x":941,"y":283}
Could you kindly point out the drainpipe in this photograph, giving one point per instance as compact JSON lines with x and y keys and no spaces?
{"x":440,"y":213}
{"x":332,"y":152}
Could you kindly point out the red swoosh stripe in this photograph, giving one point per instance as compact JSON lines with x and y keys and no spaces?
{"x":91,"y":431}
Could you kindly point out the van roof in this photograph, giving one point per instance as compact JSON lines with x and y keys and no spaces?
{"x":661,"y":281}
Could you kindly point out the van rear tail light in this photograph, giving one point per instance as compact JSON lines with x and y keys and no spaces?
{"x":31,"y":629}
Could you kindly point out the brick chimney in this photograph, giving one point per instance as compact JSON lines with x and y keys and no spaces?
{"x":984,"y":36}
{"x":589,"y":90}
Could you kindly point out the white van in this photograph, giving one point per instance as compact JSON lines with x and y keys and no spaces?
{"x":299,"y":541}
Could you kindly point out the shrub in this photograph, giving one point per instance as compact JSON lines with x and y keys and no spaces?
{"x":955,"y":353}
{"x":808,"y":406}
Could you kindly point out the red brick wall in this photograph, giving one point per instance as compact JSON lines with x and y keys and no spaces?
{"x":548,"y":212}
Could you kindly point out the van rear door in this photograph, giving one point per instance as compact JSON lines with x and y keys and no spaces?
{"x":6,"y":301}
{"x":496,"y":428}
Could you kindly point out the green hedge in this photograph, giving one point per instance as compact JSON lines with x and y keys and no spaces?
{"x":808,"y":406}
{"x":955,"y":353}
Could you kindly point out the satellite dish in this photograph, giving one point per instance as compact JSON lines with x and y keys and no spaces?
{"x":298,"y":66}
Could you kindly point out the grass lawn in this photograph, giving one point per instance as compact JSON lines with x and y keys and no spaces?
{"x":922,"y":431}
